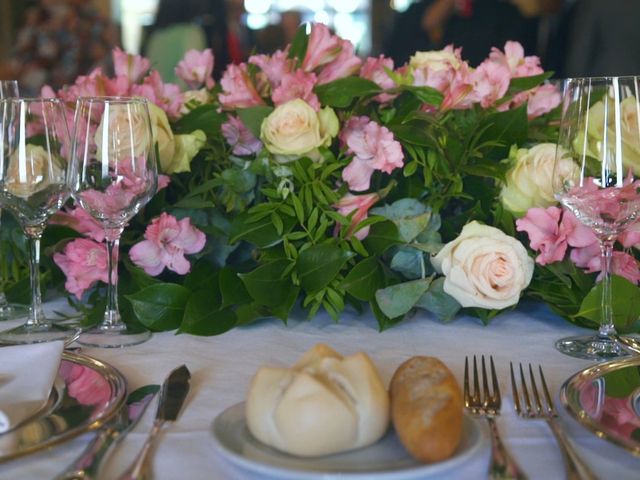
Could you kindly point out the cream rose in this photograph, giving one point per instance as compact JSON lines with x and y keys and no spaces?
{"x":135,"y":137}
{"x":294,"y":129}
{"x":484,"y":267}
{"x":32,"y":171}
{"x":186,"y":147}
{"x":529,"y":182}
{"x":436,"y":60}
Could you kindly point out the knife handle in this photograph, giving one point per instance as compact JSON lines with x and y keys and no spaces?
{"x":140,"y":469}
{"x":87,"y":464}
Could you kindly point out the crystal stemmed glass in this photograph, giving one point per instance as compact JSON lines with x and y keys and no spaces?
{"x":34,"y":144}
{"x":600,"y":133}
{"x":9,"y":89}
{"x":113,"y":175}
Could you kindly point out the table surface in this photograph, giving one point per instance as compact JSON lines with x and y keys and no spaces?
{"x":223,"y":366}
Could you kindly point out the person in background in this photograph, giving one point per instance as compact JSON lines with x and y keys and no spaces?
{"x":603,"y":38}
{"x":278,"y":36}
{"x":474,"y":25}
{"x":240,"y":39}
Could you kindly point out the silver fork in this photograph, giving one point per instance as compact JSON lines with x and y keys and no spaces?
{"x":487,"y":405}
{"x":575,"y":467}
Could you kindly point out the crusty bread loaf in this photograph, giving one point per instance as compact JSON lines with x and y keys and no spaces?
{"x":324,"y":404}
{"x":426,"y":408}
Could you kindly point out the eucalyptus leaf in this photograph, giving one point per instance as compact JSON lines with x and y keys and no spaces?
{"x":409,"y":262}
{"x":399,"y":299}
{"x":438,"y":302}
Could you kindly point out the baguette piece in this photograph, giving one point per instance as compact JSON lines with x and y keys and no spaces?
{"x":426,"y":408}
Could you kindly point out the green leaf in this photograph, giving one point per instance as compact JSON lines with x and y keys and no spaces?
{"x":436,"y":301}
{"x":381,"y":236}
{"x":384,"y":322}
{"x":232,"y":289}
{"x":204,"y":276}
{"x":200,"y":319}
{"x":626,"y":304}
{"x":505,"y":128}
{"x":411,"y":133}
{"x":397,"y":300}
{"x":140,"y":278}
{"x":252,"y":117}
{"x":298,"y":47}
{"x":621,"y":383}
{"x":266,"y":285}
{"x":203,"y":117}
{"x":520,"y":84}
{"x":409,"y":262}
{"x":340,"y":93}
{"x":282,"y":311}
{"x":427,"y":95}
{"x":318,"y":265}
{"x":364,"y":279}
{"x":410,"y":216}
{"x":160,"y":307}
{"x":262,"y":233}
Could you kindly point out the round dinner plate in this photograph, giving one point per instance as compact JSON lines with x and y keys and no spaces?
{"x":86,"y":394}
{"x":387,"y":459}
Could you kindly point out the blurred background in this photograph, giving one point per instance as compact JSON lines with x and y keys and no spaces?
{"x":54,"y":41}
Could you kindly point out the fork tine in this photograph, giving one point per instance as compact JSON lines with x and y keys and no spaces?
{"x":476,"y":384}
{"x":550,"y":408}
{"x":534,"y":390}
{"x":514,"y":390}
{"x":494,"y":383}
{"x":525,"y":393}
{"x":467,"y":397}
{"x":485,"y":384}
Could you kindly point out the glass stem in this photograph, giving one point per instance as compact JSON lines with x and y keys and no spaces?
{"x":36,"y":313}
{"x":4,"y":304}
{"x":112,"y":313}
{"x":607,"y":329}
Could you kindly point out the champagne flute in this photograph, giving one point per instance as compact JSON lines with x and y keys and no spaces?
{"x":600,"y":134}
{"x":34,"y":141}
{"x":113,"y":175}
{"x":9,"y":89}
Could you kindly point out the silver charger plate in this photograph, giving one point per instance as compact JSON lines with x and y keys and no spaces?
{"x":85,"y":395}
{"x":387,"y":459}
{"x":605,"y":398}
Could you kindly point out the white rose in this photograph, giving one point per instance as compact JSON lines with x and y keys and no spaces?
{"x":529,"y":182}
{"x":193,"y":99}
{"x":436,"y":60}
{"x":31,"y":171}
{"x":126,"y":130}
{"x":484,"y":267}
{"x":294,"y":129}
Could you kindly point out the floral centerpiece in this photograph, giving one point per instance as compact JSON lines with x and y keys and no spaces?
{"x":314,"y":179}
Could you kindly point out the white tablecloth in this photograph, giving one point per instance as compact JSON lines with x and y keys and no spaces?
{"x":222,"y":368}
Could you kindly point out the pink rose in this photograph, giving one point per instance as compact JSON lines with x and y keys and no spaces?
{"x":167,"y":240}
{"x":542,"y":100}
{"x":240,"y":137}
{"x":545,"y":235}
{"x":167,"y":96}
{"x":237,"y":89}
{"x":373,"y":147}
{"x":322,"y":47}
{"x":195,"y":68}
{"x":79,"y":220}
{"x":374,"y":69}
{"x":298,"y":84}
{"x":345,"y":64}
{"x":133,"y":67}
{"x":360,"y":204}
{"x":274,"y":66}
{"x":84,"y":262}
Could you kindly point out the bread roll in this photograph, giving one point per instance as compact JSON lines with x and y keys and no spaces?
{"x":324,"y":404}
{"x":426,"y":408}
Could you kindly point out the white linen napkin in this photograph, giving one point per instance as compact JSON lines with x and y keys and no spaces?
{"x":27,"y":373}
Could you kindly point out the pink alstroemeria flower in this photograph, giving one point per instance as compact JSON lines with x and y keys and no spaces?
{"x":167,"y":96}
{"x":79,"y":220}
{"x":166,"y":243}
{"x":490,"y":81}
{"x":322,"y":48}
{"x":84,"y":262}
{"x":133,"y":67}
{"x":240,"y":137}
{"x":298,"y":84}
{"x":513,"y":58}
{"x":345,"y":64}
{"x":543,"y":99}
{"x":237,"y":89}
{"x":375,"y":69}
{"x":374,"y":148}
{"x":195,"y":68}
{"x":274,"y":66}
{"x":361,"y":205}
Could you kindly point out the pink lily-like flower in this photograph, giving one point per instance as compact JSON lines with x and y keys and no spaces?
{"x":542,"y":100}
{"x":79,"y":220}
{"x":240,"y":137}
{"x":322,"y":48}
{"x":361,"y":205}
{"x":298,"y":84}
{"x":165,"y":95}
{"x":84,"y":262}
{"x":237,"y":89}
{"x":274,"y":66}
{"x":345,"y":64}
{"x":196,"y":68}
{"x":133,"y":67}
{"x":513,"y":58}
{"x":167,"y":240}
{"x":374,"y":69}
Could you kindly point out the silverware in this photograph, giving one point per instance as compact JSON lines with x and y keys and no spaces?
{"x":88,"y":463}
{"x":487,"y":405}
{"x":575,"y":467}
{"x":172,"y":395}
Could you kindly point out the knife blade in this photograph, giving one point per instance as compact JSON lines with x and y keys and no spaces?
{"x":172,"y":396}
{"x":88,"y":463}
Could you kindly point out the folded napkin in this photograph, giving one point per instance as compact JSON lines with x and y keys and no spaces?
{"x":27,"y":373}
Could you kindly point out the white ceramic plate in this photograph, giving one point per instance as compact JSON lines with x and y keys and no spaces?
{"x":387,"y":459}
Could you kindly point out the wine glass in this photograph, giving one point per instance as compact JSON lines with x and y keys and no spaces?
{"x":600,"y":133}
{"x":113,"y":175}
{"x":34,"y":144}
{"x":8,"y":311}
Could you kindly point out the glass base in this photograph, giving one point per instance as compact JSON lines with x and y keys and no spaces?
{"x":27,"y":334}
{"x":114,"y":336}
{"x":13,"y":311}
{"x":591,"y":347}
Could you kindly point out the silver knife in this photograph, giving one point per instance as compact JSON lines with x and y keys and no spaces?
{"x":88,"y":463}
{"x":172,"y":395}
